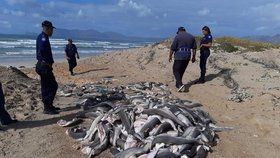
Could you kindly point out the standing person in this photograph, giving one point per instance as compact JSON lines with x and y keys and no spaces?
{"x":205,"y":45}
{"x":44,"y":68}
{"x":183,"y":46}
{"x":5,"y":118}
{"x":70,"y":53}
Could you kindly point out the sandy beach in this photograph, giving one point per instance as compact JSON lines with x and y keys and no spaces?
{"x":28,"y":62}
{"x":242,"y":91}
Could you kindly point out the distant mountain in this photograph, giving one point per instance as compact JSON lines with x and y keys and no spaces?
{"x":263,"y":38}
{"x":96,"y":35}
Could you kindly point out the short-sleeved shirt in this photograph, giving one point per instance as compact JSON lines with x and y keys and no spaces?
{"x":71,"y":50}
{"x":183,"y":40}
{"x":205,"y":40}
{"x":43,"y":49}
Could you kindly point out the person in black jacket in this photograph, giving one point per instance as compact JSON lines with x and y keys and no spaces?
{"x":184,"y":50}
{"x":44,"y":68}
{"x":5,"y":118}
{"x":205,"y":45}
{"x":70,"y":53}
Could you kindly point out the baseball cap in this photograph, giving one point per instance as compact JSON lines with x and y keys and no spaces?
{"x":181,"y":29}
{"x":47,"y":24}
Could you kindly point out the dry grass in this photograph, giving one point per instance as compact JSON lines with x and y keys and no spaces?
{"x":246,"y":44}
{"x":231,"y":44}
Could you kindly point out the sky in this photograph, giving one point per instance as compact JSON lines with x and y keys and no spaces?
{"x":144,"y":18}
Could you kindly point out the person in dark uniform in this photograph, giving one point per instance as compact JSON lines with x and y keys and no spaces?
{"x":205,"y":45}
{"x":70,"y":53}
{"x":183,"y":47}
{"x":44,"y":68}
{"x":5,"y":118}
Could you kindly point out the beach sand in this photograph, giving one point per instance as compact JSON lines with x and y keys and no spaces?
{"x":242,"y":90}
{"x":27,"y":62}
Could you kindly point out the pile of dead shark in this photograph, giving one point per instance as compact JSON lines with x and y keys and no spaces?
{"x":140,"y":120}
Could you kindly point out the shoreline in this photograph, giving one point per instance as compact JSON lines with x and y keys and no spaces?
{"x":31,"y":62}
{"x":58,"y":59}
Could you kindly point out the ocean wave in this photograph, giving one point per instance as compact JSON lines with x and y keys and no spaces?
{"x":102,"y":42}
{"x":7,"y":46}
{"x":21,"y":48}
{"x":125,"y":44}
{"x":33,"y":52}
{"x":115,"y":47}
{"x":28,"y":52}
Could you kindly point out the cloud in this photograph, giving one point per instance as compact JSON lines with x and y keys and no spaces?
{"x":265,"y":18}
{"x":51,"y":4}
{"x":5,"y":24}
{"x":17,"y":13}
{"x":36,"y":15}
{"x":261,"y":28}
{"x":125,"y":16}
{"x":80,"y":13}
{"x":211,"y":22}
{"x":13,"y":12}
{"x":13,"y":2}
{"x":30,"y":3}
{"x":142,"y":10}
{"x":37,"y":25}
{"x":5,"y":11}
{"x":203,"y":12}
{"x":122,"y":3}
{"x":24,"y":4}
{"x":268,"y":12}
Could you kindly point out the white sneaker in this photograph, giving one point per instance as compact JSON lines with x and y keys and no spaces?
{"x":181,"y":88}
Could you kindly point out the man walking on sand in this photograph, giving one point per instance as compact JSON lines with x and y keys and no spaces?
{"x":5,"y":118}
{"x":183,"y":46}
{"x":44,"y":68}
{"x":70,"y":53}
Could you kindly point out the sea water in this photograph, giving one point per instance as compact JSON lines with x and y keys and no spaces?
{"x":18,"y":48}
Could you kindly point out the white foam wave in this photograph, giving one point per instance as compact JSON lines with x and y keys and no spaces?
{"x":27,"y":47}
{"x":115,"y":47}
{"x":26,"y":52}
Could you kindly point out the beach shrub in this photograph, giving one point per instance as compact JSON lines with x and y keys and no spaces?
{"x":246,"y":44}
{"x":231,"y":44}
{"x":228,"y":47}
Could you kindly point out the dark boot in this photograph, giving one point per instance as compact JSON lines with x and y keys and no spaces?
{"x":55,"y":108}
{"x":50,"y":110}
{"x":200,"y":81}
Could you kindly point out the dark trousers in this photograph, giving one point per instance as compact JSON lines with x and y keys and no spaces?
{"x":4,"y":116}
{"x":72,"y":63}
{"x":203,"y":61}
{"x":48,"y":88}
{"x":179,"y":68}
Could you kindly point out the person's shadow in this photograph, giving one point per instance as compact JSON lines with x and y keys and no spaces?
{"x":208,"y":78}
{"x":92,"y":70}
{"x":38,"y":123}
{"x":70,"y":108}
